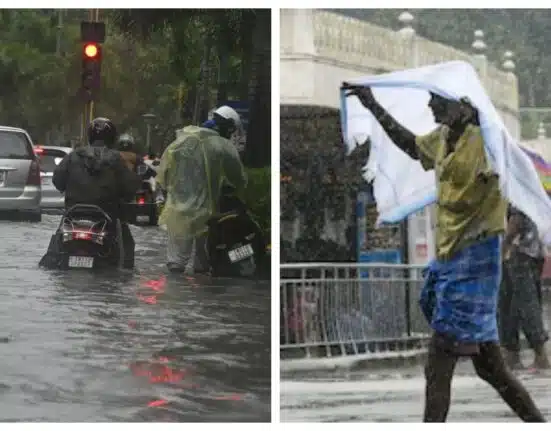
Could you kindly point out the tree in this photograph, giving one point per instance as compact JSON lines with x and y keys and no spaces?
{"x":40,"y":87}
{"x":234,"y":43}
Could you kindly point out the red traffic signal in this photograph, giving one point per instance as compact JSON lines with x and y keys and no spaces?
{"x":91,"y":70}
{"x":91,"y":50}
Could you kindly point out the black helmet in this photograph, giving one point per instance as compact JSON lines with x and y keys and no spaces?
{"x":126,"y":142}
{"x":102,"y":129}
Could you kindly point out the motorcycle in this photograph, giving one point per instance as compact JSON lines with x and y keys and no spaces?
{"x":144,"y":203}
{"x":87,"y":237}
{"x":235,"y":243}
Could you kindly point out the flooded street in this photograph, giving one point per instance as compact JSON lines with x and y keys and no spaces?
{"x":398,"y":396}
{"x":135,"y":346}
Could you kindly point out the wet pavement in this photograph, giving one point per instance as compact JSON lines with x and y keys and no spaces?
{"x":397,"y":396}
{"x":132,"y":346}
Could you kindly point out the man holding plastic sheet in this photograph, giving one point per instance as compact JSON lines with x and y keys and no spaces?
{"x":193,"y":170}
{"x":459,"y":298}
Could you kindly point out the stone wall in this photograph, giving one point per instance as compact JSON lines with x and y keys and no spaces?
{"x":320,"y":49}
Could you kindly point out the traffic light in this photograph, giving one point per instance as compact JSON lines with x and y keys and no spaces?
{"x":91,"y":50}
{"x":91,"y":70}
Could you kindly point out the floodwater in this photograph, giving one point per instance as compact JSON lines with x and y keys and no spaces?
{"x":397,"y":395}
{"x":130,"y":346}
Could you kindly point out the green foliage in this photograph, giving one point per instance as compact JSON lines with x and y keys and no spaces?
{"x":235,"y":43}
{"x":31,"y":74}
{"x":174,"y":63}
{"x":257,"y":196}
{"x":319,"y":182}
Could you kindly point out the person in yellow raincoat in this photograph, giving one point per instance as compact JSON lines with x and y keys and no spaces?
{"x":191,"y":174}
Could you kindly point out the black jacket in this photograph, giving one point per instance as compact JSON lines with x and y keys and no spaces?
{"x":96,"y":175}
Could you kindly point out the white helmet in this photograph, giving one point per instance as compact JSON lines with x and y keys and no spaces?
{"x":229,"y":114}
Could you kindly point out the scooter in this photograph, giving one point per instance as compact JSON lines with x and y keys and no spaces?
{"x":235,"y":243}
{"x":87,"y":237}
{"x":144,"y":202}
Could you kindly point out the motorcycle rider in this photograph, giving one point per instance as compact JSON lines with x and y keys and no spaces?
{"x":193,"y":170}
{"x":127,"y":147}
{"x":96,"y":175}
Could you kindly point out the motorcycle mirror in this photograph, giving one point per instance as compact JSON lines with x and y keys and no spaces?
{"x":58,"y":160}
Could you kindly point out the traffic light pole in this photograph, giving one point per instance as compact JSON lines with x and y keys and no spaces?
{"x":92,"y":36}
{"x":94,"y":17}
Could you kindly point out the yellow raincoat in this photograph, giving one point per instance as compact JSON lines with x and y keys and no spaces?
{"x":192,"y":171}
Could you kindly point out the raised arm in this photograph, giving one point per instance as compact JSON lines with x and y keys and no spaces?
{"x":401,"y":136}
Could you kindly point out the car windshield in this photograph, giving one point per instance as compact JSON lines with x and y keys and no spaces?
{"x":14,"y":145}
{"x":49,"y":159}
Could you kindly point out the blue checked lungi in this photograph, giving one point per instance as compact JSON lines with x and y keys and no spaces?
{"x":459,"y":297}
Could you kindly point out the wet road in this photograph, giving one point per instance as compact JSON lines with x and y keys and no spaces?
{"x":137,"y":346}
{"x":397,"y":396}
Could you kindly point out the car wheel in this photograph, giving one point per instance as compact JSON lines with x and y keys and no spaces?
{"x":33,"y":216}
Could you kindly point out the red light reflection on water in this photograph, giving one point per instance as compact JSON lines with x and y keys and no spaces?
{"x":158,"y":370}
{"x":157,"y":403}
{"x":151,"y":299}
{"x":158,"y":287}
{"x":230,"y":397}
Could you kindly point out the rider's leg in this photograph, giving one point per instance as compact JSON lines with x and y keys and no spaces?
{"x":201,"y":261}
{"x":51,"y":260}
{"x":129,"y":246}
{"x":180,"y":253}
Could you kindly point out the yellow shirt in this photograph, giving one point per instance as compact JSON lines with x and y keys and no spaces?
{"x":469,"y":205}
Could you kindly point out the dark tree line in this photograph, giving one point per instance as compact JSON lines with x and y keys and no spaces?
{"x":175,"y":63}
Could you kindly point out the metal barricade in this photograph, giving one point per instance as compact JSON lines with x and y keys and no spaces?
{"x":330,"y":309}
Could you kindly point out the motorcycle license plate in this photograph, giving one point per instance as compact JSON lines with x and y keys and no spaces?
{"x":240,"y":253}
{"x":81,"y":262}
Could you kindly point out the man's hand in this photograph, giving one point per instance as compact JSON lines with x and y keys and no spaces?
{"x":364,"y":94}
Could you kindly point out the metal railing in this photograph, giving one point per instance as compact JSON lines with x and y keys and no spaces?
{"x":330,"y":309}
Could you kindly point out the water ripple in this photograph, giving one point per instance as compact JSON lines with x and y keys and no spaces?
{"x":87,"y":347}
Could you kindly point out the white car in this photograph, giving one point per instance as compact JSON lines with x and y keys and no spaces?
{"x":19,"y":174}
{"x":49,"y":157}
